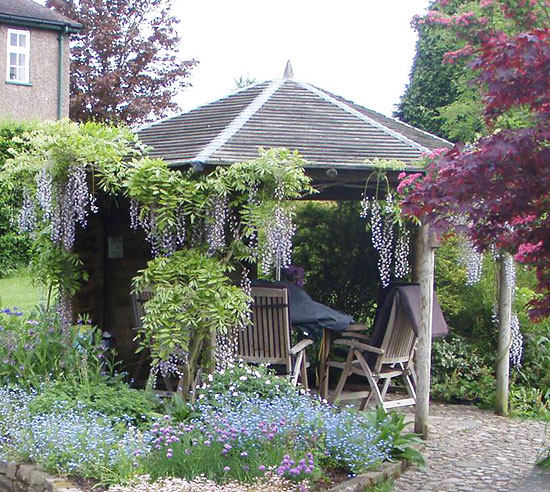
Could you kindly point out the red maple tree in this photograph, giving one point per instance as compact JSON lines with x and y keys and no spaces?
{"x":500,"y":184}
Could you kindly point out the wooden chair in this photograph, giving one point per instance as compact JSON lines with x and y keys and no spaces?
{"x":380,"y":365}
{"x":267,"y":339}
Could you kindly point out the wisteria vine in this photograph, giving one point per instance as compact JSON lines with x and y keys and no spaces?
{"x":391,"y":250}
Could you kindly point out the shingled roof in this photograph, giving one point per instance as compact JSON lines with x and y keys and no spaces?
{"x":327,"y":130}
{"x":27,"y":12}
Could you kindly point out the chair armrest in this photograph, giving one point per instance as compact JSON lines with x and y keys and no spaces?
{"x":360,"y":346}
{"x":356,"y":327}
{"x":361,"y":336}
{"x":301,"y":345}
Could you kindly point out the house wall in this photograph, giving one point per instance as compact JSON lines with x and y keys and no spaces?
{"x":106,"y":295}
{"x":39,"y":99}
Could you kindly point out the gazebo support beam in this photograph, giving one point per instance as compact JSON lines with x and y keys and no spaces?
{"x":504,"y":336}
{"x":425,"y":271}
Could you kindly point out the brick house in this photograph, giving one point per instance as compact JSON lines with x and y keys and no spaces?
{"x":34,"y":61}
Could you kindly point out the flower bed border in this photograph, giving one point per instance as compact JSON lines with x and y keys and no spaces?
{"x":23,"y":477}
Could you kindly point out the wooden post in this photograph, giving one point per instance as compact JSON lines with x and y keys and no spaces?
{"x":424,"y":348}
{"x":504,"y":336}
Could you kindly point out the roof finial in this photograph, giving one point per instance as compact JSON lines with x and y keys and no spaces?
{"x":289,"y":73}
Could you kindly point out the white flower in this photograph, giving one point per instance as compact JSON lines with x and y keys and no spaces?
{"x":243,"y":378}
{"x":267,"y":381}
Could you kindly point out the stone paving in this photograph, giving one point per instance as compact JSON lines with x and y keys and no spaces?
{"x":475,"y":450}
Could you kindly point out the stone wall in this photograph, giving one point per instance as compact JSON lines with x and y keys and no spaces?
{"x":27,"y":478}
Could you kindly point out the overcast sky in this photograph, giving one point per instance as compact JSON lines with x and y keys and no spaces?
{"x":359,"y":49}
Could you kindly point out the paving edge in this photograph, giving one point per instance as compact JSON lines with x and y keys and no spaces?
{"x":372,"y":478}
{"x":25,"y":477}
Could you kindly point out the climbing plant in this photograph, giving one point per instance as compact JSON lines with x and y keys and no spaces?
{"x":200,"y":226}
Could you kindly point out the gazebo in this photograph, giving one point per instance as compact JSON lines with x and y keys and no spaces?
{"x":339,"y":141}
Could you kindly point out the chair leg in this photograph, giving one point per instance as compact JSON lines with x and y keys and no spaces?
{"x":344,"y":376}
{"x":296,"y":370}
{"x":386,"y":387}
{"x":372,"y":382}
{"x":303,"y":370}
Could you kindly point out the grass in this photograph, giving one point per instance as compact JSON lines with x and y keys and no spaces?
{"x":18,"y":291}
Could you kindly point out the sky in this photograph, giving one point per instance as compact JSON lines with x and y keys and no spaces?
{"x":359,"y":49}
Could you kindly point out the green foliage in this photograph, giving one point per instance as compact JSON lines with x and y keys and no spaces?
{"x":14,"y":247}
{"x":433,"y":84}
{"x":111,"y":398}
{"x":404,"y":444}
{"x":193,"y":299}
{"x":340,"y":264}
{"x":35,"y":348}
{"x":529,"y":402}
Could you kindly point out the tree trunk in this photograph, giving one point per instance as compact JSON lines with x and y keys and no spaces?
{"x":504,"y":336}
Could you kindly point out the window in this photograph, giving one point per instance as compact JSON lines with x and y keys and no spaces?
{"x":18,"y":56}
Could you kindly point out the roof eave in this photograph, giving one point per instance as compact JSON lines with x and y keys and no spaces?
{"x":177,"y":163}
{"x":40,"y":23}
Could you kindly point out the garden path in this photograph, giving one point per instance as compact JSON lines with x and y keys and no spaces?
{"x":475,"y":450}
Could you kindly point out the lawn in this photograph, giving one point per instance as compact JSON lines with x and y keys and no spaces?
{"x":18,"y":291}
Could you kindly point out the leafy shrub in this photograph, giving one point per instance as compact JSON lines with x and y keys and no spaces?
{"x":241,"y":381}
{"x":36,"y":348}
{"x":14,"y":246}
{"x":113,"y":399}
{"x":459,"y":373}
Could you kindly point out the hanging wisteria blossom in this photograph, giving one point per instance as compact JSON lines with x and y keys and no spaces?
{"x":215,"y":228}
{"x":44,"y":192}
{"x":401,"y":260}
{"x":163,"y":241}
{"x":277,"y":250}
{"x":516,"y":338}
{"x":471,"y":260}
{"x":516,"y":350}
{"x":510,"y":273}
{"x":27,"y":219}
{"x":381,"y":222}
{"x":73,"y":202}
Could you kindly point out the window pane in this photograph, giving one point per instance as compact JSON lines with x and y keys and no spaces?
{"x":13,"y":73}
{"x":22,"y":59}
{"x":22,"y":74}
{"x":13,"y":39}
{"x":13,"y":58}
{"x":23,"y":40}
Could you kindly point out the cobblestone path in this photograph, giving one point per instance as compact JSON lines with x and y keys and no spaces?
{"x":474,"y":450}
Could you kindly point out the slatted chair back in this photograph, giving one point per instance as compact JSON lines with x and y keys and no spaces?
{"x":267,"y":339}
{"x":138,"y":300}
{"x":399,"y":341}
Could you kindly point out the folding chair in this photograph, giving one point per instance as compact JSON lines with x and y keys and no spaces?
{"x":267,"y":338}
{"x":380,"y":364}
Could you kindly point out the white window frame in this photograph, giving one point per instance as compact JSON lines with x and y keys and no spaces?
{"x":18,"y":50}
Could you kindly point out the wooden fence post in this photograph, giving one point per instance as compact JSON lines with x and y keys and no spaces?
{"x":504,"y":336}
{"x":425,"y":265}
